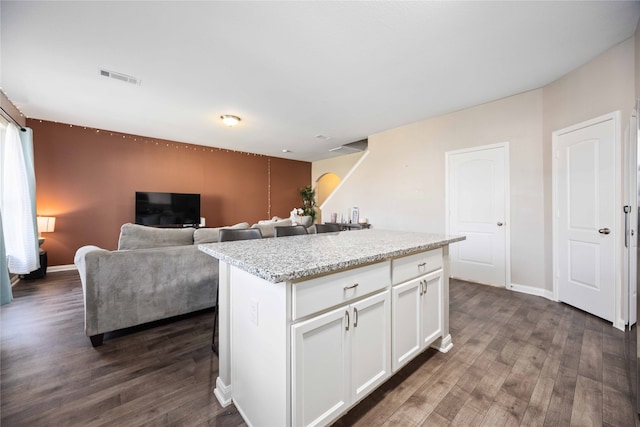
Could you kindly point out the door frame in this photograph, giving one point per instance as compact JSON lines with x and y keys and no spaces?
{"x":630,"y":198}
{"x":618,"y":321}
{"x":507,"y":199}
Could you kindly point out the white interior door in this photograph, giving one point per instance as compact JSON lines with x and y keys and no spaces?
{"x":585,"y":207}
{"x":477,"y":196}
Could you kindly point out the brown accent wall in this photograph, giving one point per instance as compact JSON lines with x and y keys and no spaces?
{"x":87,"y":179}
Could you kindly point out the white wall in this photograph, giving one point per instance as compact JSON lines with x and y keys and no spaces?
{"x":603,"y":85}
{"x":401,"y":184}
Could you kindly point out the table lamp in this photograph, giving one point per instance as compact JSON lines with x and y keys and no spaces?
{"x":46,"y":224}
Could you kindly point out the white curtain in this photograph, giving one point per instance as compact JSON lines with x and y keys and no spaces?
{"x":6,"y":296}
{"x":18,"y":202}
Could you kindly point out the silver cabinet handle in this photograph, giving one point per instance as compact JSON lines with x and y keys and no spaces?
{"x":604,"y":231}
{"x":355,"y":317}
{"x":425,"y":287}
{"x":421,"y":288}
{"x":346,"y":313}
{"x":355,"y":285}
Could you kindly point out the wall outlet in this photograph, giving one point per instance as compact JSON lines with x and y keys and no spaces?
{"x":253,"y":312}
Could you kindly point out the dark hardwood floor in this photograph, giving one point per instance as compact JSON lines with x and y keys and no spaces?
{"x":517,"y":360}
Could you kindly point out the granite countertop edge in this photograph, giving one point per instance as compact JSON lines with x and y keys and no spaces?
{"x":307,"y":272}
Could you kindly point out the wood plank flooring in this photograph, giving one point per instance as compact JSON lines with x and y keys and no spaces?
{"x":517,"y":360}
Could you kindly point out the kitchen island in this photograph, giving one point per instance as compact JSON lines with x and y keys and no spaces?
{"x":310,"y":325}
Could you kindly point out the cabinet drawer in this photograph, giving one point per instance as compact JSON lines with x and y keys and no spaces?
{"x":314,"y":295}
{"x":411,"y":266}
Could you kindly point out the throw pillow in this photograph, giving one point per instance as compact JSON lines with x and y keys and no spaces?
{"x":134,"y":236}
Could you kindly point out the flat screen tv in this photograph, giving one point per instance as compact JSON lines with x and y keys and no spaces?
{"x":167,"y":209}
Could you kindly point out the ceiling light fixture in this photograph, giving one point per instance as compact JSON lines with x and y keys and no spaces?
{"x":230,"y":120}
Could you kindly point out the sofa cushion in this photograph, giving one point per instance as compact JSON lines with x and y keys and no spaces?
{"x":210,"y":235}
{"x":267,"y":227}
{"x":134,"y":236}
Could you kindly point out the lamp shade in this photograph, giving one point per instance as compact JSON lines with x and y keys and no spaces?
{"x":46,"y":224}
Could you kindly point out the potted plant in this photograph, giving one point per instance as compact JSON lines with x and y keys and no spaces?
{"x":308,"y":195}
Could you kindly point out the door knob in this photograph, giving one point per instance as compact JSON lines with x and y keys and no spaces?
{"x":499,"y":224}
{"x":604,"y":231}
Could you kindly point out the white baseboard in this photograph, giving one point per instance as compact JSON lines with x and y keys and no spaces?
{"x":56,"y":268}
{"x":67,"y":267}
{"x":532,"y":291}
{"x":15,"y":280}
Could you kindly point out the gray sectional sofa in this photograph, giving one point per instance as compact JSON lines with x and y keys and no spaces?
{"x":155,"y":273}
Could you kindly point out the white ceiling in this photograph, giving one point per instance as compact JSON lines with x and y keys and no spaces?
{"x":290,"y":70}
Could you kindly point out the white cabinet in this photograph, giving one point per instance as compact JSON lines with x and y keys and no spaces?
{"x":304,"y":352}
{"x":431,"y":308}
{"x":320,"y":359}
{"x":370,"y":344}
{"x":417,"y":316}
{"x":338,"y":358}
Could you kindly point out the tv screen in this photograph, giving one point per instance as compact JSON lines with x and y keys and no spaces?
{"x":167,"y":209}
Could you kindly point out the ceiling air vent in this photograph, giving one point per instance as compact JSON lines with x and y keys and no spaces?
{"x":119,"y":76}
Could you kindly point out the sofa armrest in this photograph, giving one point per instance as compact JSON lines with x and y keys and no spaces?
{"x":80,"y":261}
{"x":127,"y":288}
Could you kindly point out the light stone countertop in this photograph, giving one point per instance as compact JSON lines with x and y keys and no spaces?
{"x":296,"y":257}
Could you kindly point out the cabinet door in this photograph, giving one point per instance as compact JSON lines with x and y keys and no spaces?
{"x":370,"y":334}
{"x":432,"y":308}
{"x":406,"y":336}
{"x":320,"y":360}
